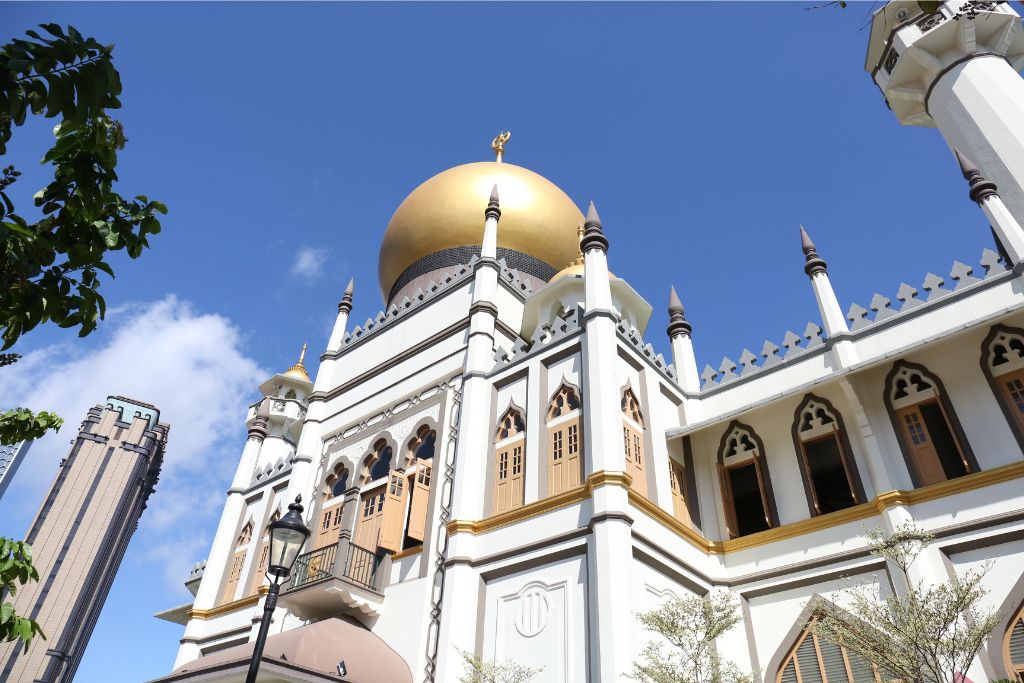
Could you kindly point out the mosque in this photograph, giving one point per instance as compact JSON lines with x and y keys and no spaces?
{"x":499,"y":463}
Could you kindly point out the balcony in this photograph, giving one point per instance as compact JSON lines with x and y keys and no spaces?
{"x":339,"y":579}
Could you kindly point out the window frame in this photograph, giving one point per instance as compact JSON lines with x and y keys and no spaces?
{"x":565,"y":428}
{"x":941,"y":397}
{"x":839,"y":433}
{"x":763,"y":477}
{"x":1014,"y":418}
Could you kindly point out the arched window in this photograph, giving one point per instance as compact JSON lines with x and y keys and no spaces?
{"x":826,"y":459}
{"x":263,"y":557}
{"x":746,"y":486}
{"x":565,"y":466}
{"x":290,"y":394}
{"x":337,"y":482}
{"x":815,"y":660}
{"x":1002,"y":359}
{"x":633,"y":441}
{"x":509,"y":461}
{"x":1013,"y":645}
{"x":237,"y":562}
{"x":381,"y":460}
{"x":930,"y":436}
{"x":421,"y":446}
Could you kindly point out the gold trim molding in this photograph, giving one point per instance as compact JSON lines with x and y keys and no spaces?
{"x":227,"y":607}
{"x":878,"y":505}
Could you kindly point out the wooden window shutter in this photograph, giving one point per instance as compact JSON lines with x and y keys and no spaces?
{"x":516,"y":477}
{"x":237,"y":562}
{"x":501,"y":480}
{"x":418,"y":506}
{"x":727,"y":502}
{"x":1013,"y":390}
{"x":574,"y":464}
{"x":370,"y":515}
{"x":677,"y":476}
{"x":556,"y":460}
{"x":635,"y":459}
{"x":394,"y":512}
{"x":919,"y":443}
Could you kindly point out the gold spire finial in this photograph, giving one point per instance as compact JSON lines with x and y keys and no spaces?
{"x":299,"y":369}
{"x":579,"y":254}
{"x":498,"y":144}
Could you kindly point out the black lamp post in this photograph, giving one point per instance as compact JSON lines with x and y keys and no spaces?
{"x":286,"y":538}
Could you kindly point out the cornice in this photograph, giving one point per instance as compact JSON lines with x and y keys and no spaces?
{"x":228,"y":607}
{"x":878,"y":505}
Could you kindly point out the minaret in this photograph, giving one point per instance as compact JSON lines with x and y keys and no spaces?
{"x":957,"y":69}
{"x":341,"y":322}
{"x":831,"y":314}
{"x":609,"y":545}
{"x":461,"y":595}
{"x":683,"y":357}
{"x":1008,"y":232}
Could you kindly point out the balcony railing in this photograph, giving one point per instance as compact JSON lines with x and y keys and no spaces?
{"x":360,"y":566}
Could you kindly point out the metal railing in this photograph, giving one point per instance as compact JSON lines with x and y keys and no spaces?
{"x":360,"y":566}
{"x":314,"y":566}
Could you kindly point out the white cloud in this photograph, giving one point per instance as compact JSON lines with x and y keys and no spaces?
{"x":193,"y":368}
{"x":309,"y":263}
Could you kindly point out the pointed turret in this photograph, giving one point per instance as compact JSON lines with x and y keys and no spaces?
{"x":1008,"y":232}
{"x":832,"y":316}
{"x":493,"y":208}
{"x":812,"y":262}
{"x":683,"y":357}
{"x":341,"y":322}
{"x":593,"y":232}
{"x":258,"y":429}
{"x":345,"y":305}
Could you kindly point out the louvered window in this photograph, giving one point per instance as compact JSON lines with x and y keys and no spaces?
{"x":1015,"y":645}
{"x":815,"y":660}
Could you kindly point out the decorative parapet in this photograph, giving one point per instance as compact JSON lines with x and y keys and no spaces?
{"x":433,"y":289}
{"x":881,"y":308}
{"x":771,"y":355}
{"x":563,"y":324}
{"x":271,"y":470}
{"x":630,"y":334}
{"x":860,"y":318}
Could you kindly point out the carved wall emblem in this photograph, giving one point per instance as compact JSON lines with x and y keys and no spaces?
{"x":532,"y":615}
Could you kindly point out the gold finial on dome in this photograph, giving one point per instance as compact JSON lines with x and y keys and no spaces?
{"x":299,"y":369}
{"x":498,"y":144}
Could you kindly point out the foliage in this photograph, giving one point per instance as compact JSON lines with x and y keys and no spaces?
{"x":690,"y":625}
{"x":16,"y":570}
{"x":480,"y":671}
{"x":928,"y":634}
{"x":50,"y":268}
{"x":21,"y":424}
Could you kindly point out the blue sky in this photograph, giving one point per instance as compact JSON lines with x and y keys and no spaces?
{"x":283,"y":137}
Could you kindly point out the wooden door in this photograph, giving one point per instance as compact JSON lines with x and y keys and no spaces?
{"x":633,"y":445}
{"x":393,"y":523}
{"x":261,"y":566}
{"x":676,"y":477}
{"x":919,"y":442}
{"x":371,"y":514}
{"x":420,"y":496}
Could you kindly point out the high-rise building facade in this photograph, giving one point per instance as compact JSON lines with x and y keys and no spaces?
{"x":80,"y":534}
{"x":498,"y":462}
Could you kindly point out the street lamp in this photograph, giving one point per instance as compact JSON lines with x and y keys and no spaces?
{"x":286,"y":538}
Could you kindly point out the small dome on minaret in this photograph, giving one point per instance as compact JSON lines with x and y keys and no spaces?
{"x":298,"y":371}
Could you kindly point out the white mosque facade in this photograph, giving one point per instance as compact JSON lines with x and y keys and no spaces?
{"x":499,"y":463}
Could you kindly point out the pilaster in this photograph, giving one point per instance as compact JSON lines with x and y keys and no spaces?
{"x":832,"y":318}
{"x":1008,"y":231}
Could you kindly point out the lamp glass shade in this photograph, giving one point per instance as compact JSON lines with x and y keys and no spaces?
{"x":286,"y":538}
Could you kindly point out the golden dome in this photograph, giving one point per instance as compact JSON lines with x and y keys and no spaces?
{"x":447,"y":211}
